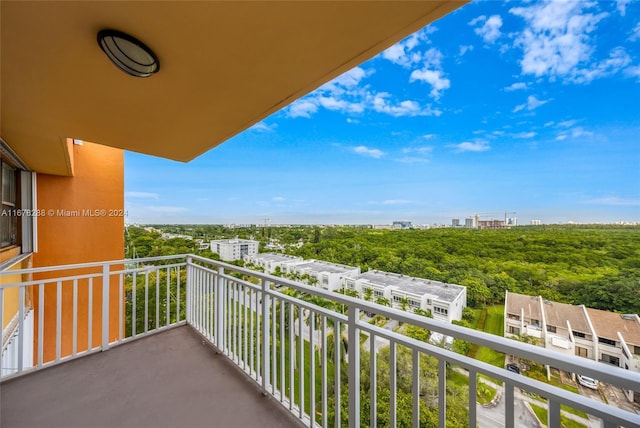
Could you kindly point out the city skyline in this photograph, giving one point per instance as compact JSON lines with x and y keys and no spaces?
{"x":518,"y":107}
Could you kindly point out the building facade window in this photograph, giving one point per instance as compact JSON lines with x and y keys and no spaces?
{"x":636,"y":350}
{"x":440,"y":311}
{"x":606,"y":341}
{"x":513,"y":317}
{"x":582,"y":352}
{"x":578,"y":334}
{"x":610,"y":359}
{"x":514,"y":330}
{"x":17,"y":214}
{"x":551,"y":328}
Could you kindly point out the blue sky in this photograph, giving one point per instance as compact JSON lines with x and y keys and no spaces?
{"x":526,"y":107}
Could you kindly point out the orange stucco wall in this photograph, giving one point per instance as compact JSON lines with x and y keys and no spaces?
{"x":11,"y":296}
{"x":68,"y":234}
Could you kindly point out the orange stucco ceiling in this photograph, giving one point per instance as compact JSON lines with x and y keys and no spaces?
{"x":224,"y":66}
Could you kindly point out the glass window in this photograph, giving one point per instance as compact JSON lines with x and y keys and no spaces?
{"x":9,"y":222}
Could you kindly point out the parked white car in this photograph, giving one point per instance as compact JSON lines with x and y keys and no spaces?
{"x":587,"y":382}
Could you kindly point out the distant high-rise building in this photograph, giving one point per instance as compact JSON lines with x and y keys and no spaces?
{"x":455,"y":222}
{"x":470,"y":223}
{"x":536,"y":222}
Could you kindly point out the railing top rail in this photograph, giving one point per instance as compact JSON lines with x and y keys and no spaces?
{"x":88,"y":265}
{"x":615,"y":375}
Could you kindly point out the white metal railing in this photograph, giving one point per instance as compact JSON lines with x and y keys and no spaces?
{"x":307,"y":356}
{"x":88,"y":307}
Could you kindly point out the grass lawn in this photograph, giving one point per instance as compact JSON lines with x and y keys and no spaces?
{"x":565,"y":422}
{"x":484,"y":393}
{"x":490,"y":320}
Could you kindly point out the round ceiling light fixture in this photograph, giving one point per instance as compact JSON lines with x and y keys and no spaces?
{"x":128,"y":53}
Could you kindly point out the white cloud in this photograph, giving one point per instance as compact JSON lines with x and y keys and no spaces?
{"x":467,"y":146}
{"x":303,"y":108}
{"x":352,"y":120}
{"x":434,"y":78}
{"x":142,"y":195}
{"x":263,"y":127}
{"x":432,"y":73}
{"x":531,"y":104}
{"x":525,"y":135}
{"x":577,"y":132}
{"x":402,"y":52}
{"x":636,"y":33}
{"x":416,"y":154}
{"x":633,"y":71}
{"x":516,"y":86}
{"x":278,"y":199}
{"x":618,"y":60}
{"x":556,"y":41}
{"x":368,"y":152}
{"x":464,"y":49}
{"x":420,"y":150}
{"x":403,"y":108}
{"x":490,"y":29}
{"x":622,"y":6}
{"x":567,"y":123}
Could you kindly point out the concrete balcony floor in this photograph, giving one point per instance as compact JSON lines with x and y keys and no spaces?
{"x":170,"y":379}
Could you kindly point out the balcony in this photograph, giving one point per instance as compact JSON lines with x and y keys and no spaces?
{"x":188,"y":341}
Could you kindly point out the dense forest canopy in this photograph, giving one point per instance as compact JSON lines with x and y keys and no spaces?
{"x":598,"y":266}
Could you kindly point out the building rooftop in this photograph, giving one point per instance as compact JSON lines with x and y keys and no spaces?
{"x":234,"y":241}
{"x":168,"y":379}
{"x":530,"y":304}
{"x":557,"y":314}
{"x":320,"y":266}
{"x":275,"y":257}
{"x":440,"y":290}
{"x":608,"y":324}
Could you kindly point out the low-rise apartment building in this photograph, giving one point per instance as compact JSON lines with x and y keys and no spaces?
{"x":603,"y":336}
{"x":234,"y":249}
{"x":271,"y":261}
{"x":329,"y":275}
{"x":444,"y":301}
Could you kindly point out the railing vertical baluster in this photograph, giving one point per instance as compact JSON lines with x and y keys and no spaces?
{"x":337,"y":363}
{"x":416,"y":388}
{"x":473,"y":392}
{"x":40,"y":324}
{"x":393,"y":383}
{"x":90,"y":316}
{"x":134,"y":306}
{"x":354,"y":367}
{"x":58,"y":319}
{"x":146,"y":301}
{"x":292,"y":361}
{"x":312,"y":370}
{"x":324,"y":370}
{"x":509,"y":414}
{"x":274,"y":345}
{"x":282,"y":351}
{"x":252,"y":314}
{"x":105,"y":307}
{"x":167,"y":298}
{"x":442,"y":393}
{"x":219,"y":316}
{"x":20,"y":330}
{"x":373,"y":381}
{"x":245,"y":332}
{"x":120,"y":307}
{"x":553,"y":415}
{"x":301,"y":362}
{"x":157,"y":324}
{"x":74,"y":346}
{"x":265,"y":334}
{"x":211,"y":302}
{"x":178,"y":270}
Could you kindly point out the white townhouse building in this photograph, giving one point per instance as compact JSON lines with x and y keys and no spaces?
{"x":329,"y":275}
{"x":602,"y":336}
{"x":234,"y":249}
{"x":271,"y":261}
{"x":444,"y":301}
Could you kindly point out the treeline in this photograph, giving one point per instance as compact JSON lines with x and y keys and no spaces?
{"x":598,"y":266}
{"x":595,"y":266}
